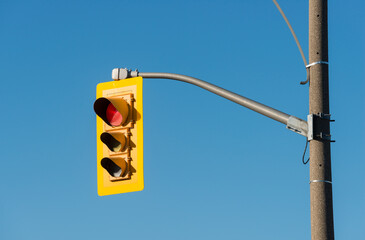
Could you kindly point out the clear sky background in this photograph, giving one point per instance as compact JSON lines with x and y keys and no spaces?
{"x":213,"y":169}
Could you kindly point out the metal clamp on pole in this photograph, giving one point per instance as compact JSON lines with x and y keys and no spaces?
{"x":323,"y":181}
{"x":315,"y":63}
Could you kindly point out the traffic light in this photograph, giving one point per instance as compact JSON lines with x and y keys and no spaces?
{"x":119,"y":129}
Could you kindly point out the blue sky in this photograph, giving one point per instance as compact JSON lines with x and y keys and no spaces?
{"x":213,"y":169}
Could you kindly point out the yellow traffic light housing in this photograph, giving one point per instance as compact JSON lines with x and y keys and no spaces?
{"x":119,"y":128}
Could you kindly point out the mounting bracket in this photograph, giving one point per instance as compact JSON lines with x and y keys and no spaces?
{"x":316,"y":127}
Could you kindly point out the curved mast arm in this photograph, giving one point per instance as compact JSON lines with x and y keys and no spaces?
{"x":293,"y":123}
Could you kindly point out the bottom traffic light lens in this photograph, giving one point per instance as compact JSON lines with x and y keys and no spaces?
{"x":113,"y":116}
{"x":115,"y":170}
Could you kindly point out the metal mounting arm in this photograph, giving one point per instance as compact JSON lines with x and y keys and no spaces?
{"x":292,"y":123}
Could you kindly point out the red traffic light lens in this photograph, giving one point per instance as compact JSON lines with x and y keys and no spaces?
{"x":113,"y":116}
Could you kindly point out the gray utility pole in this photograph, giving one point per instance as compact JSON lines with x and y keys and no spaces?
{"x":320,"y":146}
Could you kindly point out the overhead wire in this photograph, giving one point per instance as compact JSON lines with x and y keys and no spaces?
{"x":297,"y":42}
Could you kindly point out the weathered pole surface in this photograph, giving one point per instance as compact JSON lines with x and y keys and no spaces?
{"x":320,"y":149}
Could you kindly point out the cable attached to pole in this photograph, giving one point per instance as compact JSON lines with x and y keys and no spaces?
{"x":305,"y":150}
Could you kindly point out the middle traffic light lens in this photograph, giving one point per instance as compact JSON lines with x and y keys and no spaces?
{"x":113,"y":116}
